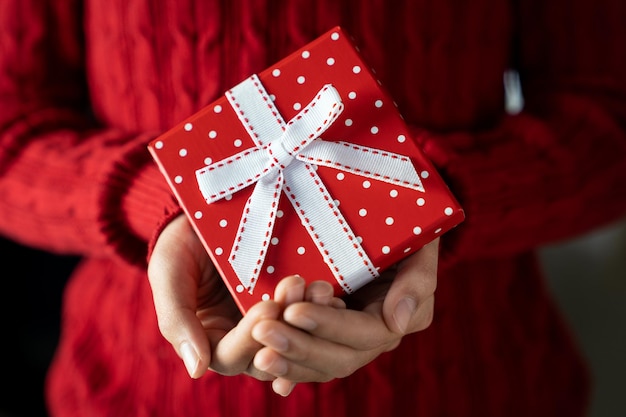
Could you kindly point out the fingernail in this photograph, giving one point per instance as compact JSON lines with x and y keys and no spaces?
{"x":190,"y":358}
{"x":278,"y":367}
{"x":403,"y":313}
{"x":283,"y":387}
{"x":302,"y":322}
{"x":276,"y":341}
{"x":294,"y":294}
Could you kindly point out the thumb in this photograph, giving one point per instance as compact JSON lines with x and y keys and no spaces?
{"x":173,"y":273}
{"x":409,"y":304}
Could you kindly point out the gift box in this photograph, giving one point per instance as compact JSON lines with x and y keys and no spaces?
{"x":305,"y":168}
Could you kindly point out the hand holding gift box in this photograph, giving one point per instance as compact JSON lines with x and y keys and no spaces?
{"x":305,"y":169}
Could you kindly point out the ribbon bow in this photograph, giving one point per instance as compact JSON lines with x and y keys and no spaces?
{"x":282,"y":161}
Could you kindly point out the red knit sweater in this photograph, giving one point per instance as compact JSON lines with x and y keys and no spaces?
{"x":85,"y":85}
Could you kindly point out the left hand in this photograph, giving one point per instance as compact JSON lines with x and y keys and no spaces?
{"x":196,"y":313}
{"x":321,"y":341}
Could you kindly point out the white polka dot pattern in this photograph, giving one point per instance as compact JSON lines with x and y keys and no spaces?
{"x":390,"y":222}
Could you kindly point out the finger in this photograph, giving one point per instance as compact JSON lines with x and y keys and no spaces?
{"x":413,"y":285}
{"x":358,"y":330}
{"x":423,"y":316}
{"x":319,"y":292}
{"x":289,"y":290}
{"x":323,"y":293}
{"x":235,"y":351}
{"x":361,"y":330}
{"x":300,"y":357}
{"x":337,"y":303}
{"x":279,"y":367}
{"x":282,"y":386}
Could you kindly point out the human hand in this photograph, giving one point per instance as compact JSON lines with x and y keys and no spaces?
{"x":195,"y":311}
{"x":197,"y":314}
{"x":318,"y":342}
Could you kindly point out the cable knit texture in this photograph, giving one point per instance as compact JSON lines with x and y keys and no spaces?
{"x":84,"y":85}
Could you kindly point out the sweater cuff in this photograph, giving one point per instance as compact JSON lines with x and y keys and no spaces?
{"x":441,"y":157}
{"x":147,"y":202}
{"x":136,"y":203}
{"x":149,"y":206}
{"x":526,"y":182}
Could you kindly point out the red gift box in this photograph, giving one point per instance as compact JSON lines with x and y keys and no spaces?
{"x":309,"y":169}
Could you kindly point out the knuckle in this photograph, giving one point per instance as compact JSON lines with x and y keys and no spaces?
{"x":427,"y":287}
{"x":393,"y":345}
{"x":166,"y":326}
{"x":225,"y":370}
{"x":346,"y":370}
{"x":378,"y":341}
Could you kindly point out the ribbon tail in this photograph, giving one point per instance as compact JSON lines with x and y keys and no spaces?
{"x":367,"y":162}
{"x":249,"y":250}
{"x":327,"y":227}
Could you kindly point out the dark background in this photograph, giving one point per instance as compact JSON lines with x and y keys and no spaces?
{"x":31,"y":285}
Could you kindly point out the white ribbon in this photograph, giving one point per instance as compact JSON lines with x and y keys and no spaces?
{"x":282,"y":160}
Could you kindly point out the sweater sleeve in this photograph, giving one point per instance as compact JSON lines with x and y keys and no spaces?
{"x":558,"y":168}
{"x":67,"y":184}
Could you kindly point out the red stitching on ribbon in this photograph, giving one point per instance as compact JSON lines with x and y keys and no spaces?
{"x":269,"y":105}
{"x":346,"y":231}
{"x":328,"y":162}
{"x":266,"y":241}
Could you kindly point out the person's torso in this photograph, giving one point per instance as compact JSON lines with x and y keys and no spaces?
{"x":151,"y":63}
